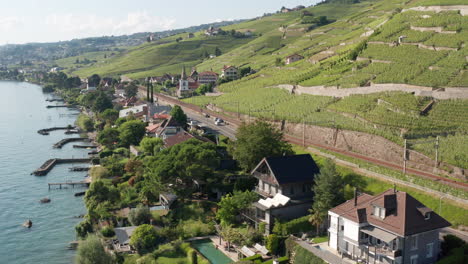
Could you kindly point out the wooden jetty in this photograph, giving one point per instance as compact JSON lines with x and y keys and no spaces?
{"x":50,"y":164}
{"x":55,"y":100}
{"x":46,"y":131}
{"x":56,"y":106}
{"x":84,"y":146}
{"x":79,"y":168}
{"x":72,"y":131}
{"x":64,"y":141}
{"x":84,"y":183}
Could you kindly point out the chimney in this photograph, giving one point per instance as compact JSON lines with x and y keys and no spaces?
{"x":355,"y":196}
{"x":394,"y":188}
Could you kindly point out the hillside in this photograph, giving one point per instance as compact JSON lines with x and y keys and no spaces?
{"x":357,"y":50}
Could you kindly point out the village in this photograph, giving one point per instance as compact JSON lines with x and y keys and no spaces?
{"x":180,"y":183}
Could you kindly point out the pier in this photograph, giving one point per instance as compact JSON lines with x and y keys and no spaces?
{"x":55,"y":100}
{"x":84,"y":183}
{"x":64,"y":141}
{"x":84,"y":146}
{"x":56,"y":106}
{"x":50,"y":164}
{"x":46,"y":131}
{"x":79,"y":168}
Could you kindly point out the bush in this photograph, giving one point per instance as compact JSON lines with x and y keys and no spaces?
{"x":193,"y":257}
{"x":84,"y":228}
{"x":272,"y":243}
{"x":450,"y":242}
{"x":98,"y":172}
{"x":144,"y":239}
{"x":92,"y":251}
{"x":194,"y":228}
{"x":297,"y":225}
{"x":85,"y":123}
{"x":108,"y":231}
{"x":140,"y":215}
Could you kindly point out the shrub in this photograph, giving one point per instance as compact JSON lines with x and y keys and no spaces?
{"x":193,"y":257}
{"x":272,"y":243}
{"x":85,"y":123}
{"x":297,"y":225}
{"x":194,"y":228}
{"x":92,"y":251}
{"x":144,"y":239}
{"x":98,"y":172}
{"x":450,"y":242}
{"x":140,"y":215}
{"x":108,"y":231}
{"x":84,"y":228}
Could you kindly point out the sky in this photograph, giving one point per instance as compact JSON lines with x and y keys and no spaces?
{"x":23,"y":21}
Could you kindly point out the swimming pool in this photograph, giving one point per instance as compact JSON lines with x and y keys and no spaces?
{"x":206,"y":248}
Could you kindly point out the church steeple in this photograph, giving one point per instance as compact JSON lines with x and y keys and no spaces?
{"x":184,"y":75}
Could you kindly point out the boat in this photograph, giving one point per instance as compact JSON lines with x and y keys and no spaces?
{"x":28,"y":223}
{"x":73,"y":245}
{"x":45,"y":200}
{"x":79,"y":194}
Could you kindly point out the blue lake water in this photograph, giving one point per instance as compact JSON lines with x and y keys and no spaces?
{"x":22,"y":150}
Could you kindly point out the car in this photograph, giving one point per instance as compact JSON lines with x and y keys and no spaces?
{"x":207,"y":115}
{"x":219,"y":122}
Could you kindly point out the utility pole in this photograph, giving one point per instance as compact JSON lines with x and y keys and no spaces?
{"x":404,"y":159}
{"x":303,"y":132}
{"x":436,"y":152}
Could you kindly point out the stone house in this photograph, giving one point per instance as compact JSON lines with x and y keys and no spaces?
{"x":392,"y":227}
{"x":293,"y":58}
{"x":285,"y":185}
{"x":230,"y":72}
{"x":207,"y":77}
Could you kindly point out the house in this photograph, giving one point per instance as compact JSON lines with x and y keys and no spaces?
{"x":230,"y":72}
{"x":194,"y":74}
{"x":168,"y":128}
{"x":207,"y":77}
{"x":248,"y":33}
{"x":161,"y":79}
{"x":212,"y":31}
{"x":299,"y":7}
{"x":186,"y":85}
{"x":181,"y":137}
{"x":392,"y":227}
{"x":190,"y":35}
{"x":285,"y":185}
{"x":293,"y":58}
{"x":138,"y":111}
{"x":123,"y":235}
{"x":285,"y":10}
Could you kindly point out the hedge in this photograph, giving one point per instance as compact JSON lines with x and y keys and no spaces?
{"x":294,"y":226}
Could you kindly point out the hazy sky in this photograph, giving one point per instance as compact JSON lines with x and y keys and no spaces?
{"x":23,"y":21}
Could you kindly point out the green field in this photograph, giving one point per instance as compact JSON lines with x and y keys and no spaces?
{"x":343,"y":53}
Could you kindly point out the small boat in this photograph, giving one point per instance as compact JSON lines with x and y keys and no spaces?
{"x":45,"y":200}
{"x":79,"y":194}
{"x":28,"y":223}
{"x":73,"y":245}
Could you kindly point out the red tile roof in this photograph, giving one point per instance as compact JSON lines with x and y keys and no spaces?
{"x":403,"y":213}
{"x":207,"y":73}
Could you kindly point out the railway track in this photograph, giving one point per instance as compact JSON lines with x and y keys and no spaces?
{"x":297,"y":141}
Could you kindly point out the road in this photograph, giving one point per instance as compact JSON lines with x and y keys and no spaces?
{"x":228,"y":129}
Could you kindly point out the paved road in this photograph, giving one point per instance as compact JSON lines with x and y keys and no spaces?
{"x":228,"y":130}
{"x":461,"y":234}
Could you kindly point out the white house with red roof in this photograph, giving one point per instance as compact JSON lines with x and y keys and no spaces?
{"x":230,"y":72}
{"x":392,"y":227}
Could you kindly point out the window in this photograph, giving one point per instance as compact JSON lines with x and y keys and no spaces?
{"x":427,"y":216}
{"x":414,"y":242}
{"x":342,"y":228}
{"x":414,"y":259}
{"x":376,"y":211}
{"x":429,"y":249}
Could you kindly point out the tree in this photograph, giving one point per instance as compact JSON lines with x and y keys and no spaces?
{"x":328,"y":190}
{"x":92,"y":251}
{"x":108,"y":137}
{"x":256,"y":141}
{"x":84,"y":228}
{"x":131,"y":132}
{"x":244,"y":71}
{"x":178,"y":114}
{"x":140,"y":215}
{"x":144,"y":239}
{"x":231,"y":205}
{"x":316,"y":219}
{"x":94,"y":80}
{"x":102,"y":103}
{"x":99,"y":193}
{"x":151,"y":145}
{"x":217,"y":52}
{"x":109,"y":115}
{"x":131,"y":90}
{"x":204,"y":88}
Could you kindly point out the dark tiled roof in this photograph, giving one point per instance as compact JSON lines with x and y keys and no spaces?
{"x":404,"y":214}
{"x":292,"y":169}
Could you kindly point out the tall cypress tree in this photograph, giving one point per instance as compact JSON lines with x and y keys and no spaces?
{"x":152,"y":93}
{"x":147,"y":89}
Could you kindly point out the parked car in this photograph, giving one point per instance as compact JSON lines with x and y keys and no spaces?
{"x":219,"y":122}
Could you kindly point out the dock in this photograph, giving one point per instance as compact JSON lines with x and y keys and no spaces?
{"x":46,"y":131}
{"x":64,"y":141}
{"x":79,"y":168}
{"x":56,"y":106}
{"x":84,"y":146}
{"x":55,"y":100}
{"x":50,"y":164}
{"x":84,"y":183}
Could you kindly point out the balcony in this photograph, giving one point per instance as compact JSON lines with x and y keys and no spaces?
{"x":262,"y":192}
{"x":386,"y":251}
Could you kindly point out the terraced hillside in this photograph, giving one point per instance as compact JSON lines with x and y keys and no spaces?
{"x":397,"y":46}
